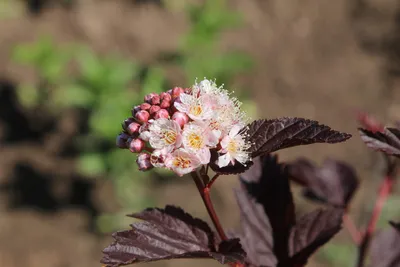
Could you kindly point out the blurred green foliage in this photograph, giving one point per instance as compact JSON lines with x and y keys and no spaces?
{"x":338,"y":254}
{"x":106,"y":87}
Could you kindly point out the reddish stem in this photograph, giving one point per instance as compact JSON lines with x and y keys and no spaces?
{"x":209,"y":184}
{"x":352,"y":228}
{"x":384,"y":191}
{"x":204,"y":191}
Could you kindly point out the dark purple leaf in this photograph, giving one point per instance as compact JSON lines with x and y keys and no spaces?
{"x":387,"y":141}
{"x":385,"y":248}
{"x":395,"y":225}
{"x":335,"y":182}
{"x":256,"y":234}
{"x":270,"y":135}
{"x":312,"y":231}
{"x":267,"y":182}
{"x":167,"y":234}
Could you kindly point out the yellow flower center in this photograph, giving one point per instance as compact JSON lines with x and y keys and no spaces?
{"x":182,"y":162}
{"x":169,"y":137}
{"x":196,"y":110}
{"x":195,"y":141}
{"x":232,"y":147}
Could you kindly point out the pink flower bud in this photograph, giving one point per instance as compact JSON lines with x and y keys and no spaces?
{"x":181,"y":118}
{"x":165,"y":96}
{"x":177,"y":91}
{"x":154,"y":109}
{"x":169,"y":92}
{"x":165,"y":103}
{"x":126,"y":123}
{"x":133,"y":128}
{"x":142,"y":116}
{"x":162,"y":113}
{"x":148,"y":97}
{"x":145,"y":106}
{"x":143,"y":161}
{"x":136,"y":145}
{"x":135,"y":110}
{"x":121,"y":140}
{"x":155,"y":100}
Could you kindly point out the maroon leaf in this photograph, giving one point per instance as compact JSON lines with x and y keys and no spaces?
{"x":267,"y":182}
{"x":312,"y":231}
{"x":166,"y":234}
{"x":395,"y":225}
{"x":385,"y":248}
{"x":270,"y":135}
{"x":334,"y":182}
{"x":387,"y":141}
{"x":256,"y":235}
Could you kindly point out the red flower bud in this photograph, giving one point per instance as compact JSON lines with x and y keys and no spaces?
{"x":177,"y":91}
{"x":143,"y":161}
{"x":126,"y":123}
{"x":154,"y":109}
{"x":136,"y":145}
{"x":142,"y":116}
{"x":162,"y":113}
{"x":148,"y":97}
{"x":133,"y":128}
{"x":165,"y":103}
{"x":181,"y":118}
{"x":121,"y":140}
{"x":155,"y":100}
{"x":165,"y":96}
{"x":145,"y":106}
{"x":135,"y":110}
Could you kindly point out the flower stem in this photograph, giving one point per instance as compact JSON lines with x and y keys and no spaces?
{"x":352,"y":228}
{"x":205,"y":195}
{"x":384,"y":191}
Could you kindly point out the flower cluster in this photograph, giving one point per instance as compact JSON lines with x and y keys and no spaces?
{"x":181,"y":128}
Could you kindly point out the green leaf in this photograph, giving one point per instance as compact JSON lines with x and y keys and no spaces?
{"x":91,"y":164}
{"x":73,"y":95}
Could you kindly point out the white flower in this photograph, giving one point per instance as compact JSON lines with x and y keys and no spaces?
{"x":163,"y":133}
{"x":197,"y":107}
{"x":199,"y":138}
{"x":157,"y":158}
{"x":234,"y":147}
{"x":182,"y":162}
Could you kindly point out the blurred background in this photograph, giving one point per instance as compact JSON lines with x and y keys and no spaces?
{"x":70,"y":71}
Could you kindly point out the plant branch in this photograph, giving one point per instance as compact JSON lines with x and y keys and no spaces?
{"x":205,"y":195}
{"x":352,"y":228}
{"x":384,"y":191}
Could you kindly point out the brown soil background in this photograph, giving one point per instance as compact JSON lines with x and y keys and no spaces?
{"x":319,"y":59}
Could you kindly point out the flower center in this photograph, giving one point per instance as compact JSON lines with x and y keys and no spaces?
{"x":232,"y":146}
{"x":195,"y":141}
{"x":169,"y":137}
{"x":181,"y":162}
{"x":196,"y":110}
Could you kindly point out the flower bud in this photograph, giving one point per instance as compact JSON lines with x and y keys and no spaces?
{"x":162,"y":113}
{"x":121,"y":140}
{"x":143,"y":161}
{"x":136,"y":145}
{"x":177,"y":91}
{"x":155,"y":100}
{"x":165,"y":96}
{"x":145,"y":106}
{"x":142,"y":116}
{"x":135,"y":110}
{"x":126,"y":123}
{"x":181,"y":118}
{"x":148,"y":97}
{"x":133,"y":128}
{"x":154,"y":109}
{"x":165,"y":103}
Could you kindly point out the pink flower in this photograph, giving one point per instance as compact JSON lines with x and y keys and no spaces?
{"x":163,"y":133}
{"x":143,"y":162}
{"x":199,"y":138}
{"x":197,"y":108}
{"x":158,"y":157}
{"x":182,"y":162}
{"x":233,"y":147}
